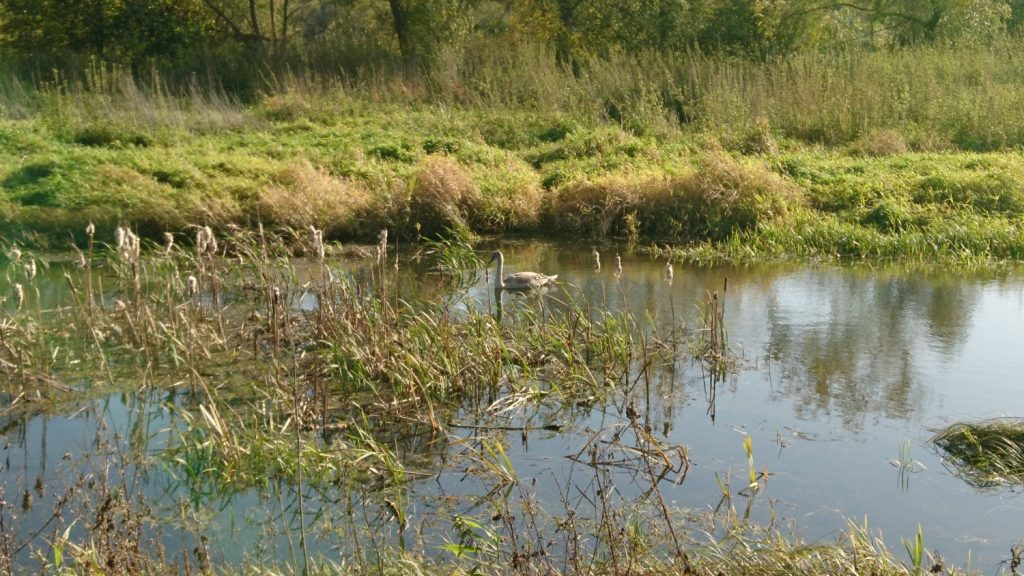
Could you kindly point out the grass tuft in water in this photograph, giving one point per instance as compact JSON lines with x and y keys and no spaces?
{"x":984,"y":454}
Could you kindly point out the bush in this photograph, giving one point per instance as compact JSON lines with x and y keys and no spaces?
{"x":442,"y":197}
{"x":305,"y":195}
{"x":883,"y":142}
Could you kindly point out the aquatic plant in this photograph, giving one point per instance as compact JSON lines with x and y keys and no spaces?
{"x":984,"y":453}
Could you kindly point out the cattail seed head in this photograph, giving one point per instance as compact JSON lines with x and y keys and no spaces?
{"x":30,"y":270}
{"x":193,"y":286}
{"x":90,"y":230}
{"x":201,"y":241}
{"x":211,"y":245}
{"x":168,"y":243}
{"x":318,"y":242}
{"x":382,"y":245}
{"x":15,"y":253}
{"x":135,"y":246}
{"x":669,"y":274}
{"x":596,"y":257}
{"x":618,"y":265}
{"x":127,"y":245}
{"x":19,"y":295}
{"x":81,"y":260}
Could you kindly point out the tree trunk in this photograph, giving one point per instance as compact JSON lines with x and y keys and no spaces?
{"x":401,"y":21}
{"x":253,"y":18}
{"x":284,"y":27}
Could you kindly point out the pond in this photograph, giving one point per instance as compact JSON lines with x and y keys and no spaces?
{"x":837,"y":375}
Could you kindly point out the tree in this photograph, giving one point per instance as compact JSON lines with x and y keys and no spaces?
{"x":903,"y":22}
{"x":259,"y":23}
{"x":127,"y":31}
{"x":423,"y":26}
{"x":581,"y":28}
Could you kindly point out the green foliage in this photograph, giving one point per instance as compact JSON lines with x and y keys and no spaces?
{"x":242,"y":43}
{"x":984,"y":453}
{"x":127,"y":31}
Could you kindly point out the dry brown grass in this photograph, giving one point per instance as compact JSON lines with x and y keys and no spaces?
{"x":598,"y":206}
{"x":717,"y":197}
{"x":443,"y":197}
{"x":746,"y":192}
{"x":884,"y":142}
{"x":305,"y":195}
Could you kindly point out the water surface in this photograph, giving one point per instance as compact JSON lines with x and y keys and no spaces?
{"x":838,"y":370}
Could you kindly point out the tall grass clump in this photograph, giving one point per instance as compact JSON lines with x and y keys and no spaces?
{"x":964,"y":95}
{"x":718,"y":197}
{"x":305,"y":195}
{"x":443,"y":197}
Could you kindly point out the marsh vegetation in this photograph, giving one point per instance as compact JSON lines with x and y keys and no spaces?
{"x":197,"y":377}
{"x":380,"y":410}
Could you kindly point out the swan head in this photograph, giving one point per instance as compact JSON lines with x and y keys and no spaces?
{"x":496,"y":255}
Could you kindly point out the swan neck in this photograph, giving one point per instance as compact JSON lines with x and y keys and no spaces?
{"x":499,"y":282}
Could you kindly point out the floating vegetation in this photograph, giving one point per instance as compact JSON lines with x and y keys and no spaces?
{"x":984,"y":454}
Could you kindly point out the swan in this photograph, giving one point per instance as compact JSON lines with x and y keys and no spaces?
{"x":519,"y":280}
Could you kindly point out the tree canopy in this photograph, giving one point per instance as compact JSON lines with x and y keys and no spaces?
{"x":139,"y":32}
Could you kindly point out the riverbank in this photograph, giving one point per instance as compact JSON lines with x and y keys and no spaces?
{"x":425,"y":170}
{"x":850,"y":156}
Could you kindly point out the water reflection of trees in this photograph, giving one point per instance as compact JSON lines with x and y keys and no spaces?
{"x":849,"y":341}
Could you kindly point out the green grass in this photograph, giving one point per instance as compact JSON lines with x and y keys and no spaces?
{"x":912,"y":154}
{"x":984,"y":454}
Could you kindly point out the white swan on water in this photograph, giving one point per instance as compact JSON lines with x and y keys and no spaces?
{"x":519,"y":280}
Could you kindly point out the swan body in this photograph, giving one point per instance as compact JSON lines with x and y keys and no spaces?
{"x":519,"y":280}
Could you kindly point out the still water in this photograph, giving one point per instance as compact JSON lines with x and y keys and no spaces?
{"x":840,"y":370}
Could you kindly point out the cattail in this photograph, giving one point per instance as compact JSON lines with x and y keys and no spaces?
{"x":30,"y":270}
{"x":193,"y":286}
{"x":127,"y":245}
{"x":168,"y":243}
{"x":668,"y":272}
{"x":382,"y":245}
{"x":318,"y":241}
{"x":19,"y":295}
{"x":596,"y":256}
{"x":81,"y":260}
{"x":90,"y":230}
{"x":618,"y":265}
{"x":119,"y":238}
{"x":135,"y":246}
{"x":211,"y":245}
{"x":15,"y":253}
{"x":201,"y":240}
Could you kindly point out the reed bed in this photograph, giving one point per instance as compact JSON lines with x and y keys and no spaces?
{"x":326,"y":389}
{"x":306,"y":377}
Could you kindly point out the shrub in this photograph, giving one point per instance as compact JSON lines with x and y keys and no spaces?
{"x":724,"y":196}
{"x":884,"y":142}
{"x":442,"y":197}
{"x":305,"y":195}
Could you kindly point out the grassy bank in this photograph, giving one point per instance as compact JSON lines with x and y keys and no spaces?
{"x":911,"y":154}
